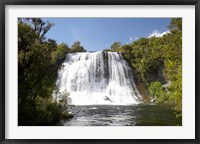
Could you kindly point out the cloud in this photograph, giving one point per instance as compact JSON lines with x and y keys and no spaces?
{"x":133,"y":38}
{"x":130,"y":38}
{"x":156,"y":33}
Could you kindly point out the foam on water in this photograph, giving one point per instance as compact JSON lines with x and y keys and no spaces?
{"x":94,"y":78}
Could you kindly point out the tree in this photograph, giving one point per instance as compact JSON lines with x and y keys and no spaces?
{"x":176,"y":24}
{"x":38,"y":25}
{"x":38,"y":62}
{"x":60,"y":52}
{"x":115,"y":46}
{"x":76,"y":47}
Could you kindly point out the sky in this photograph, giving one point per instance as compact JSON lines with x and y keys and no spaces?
{"x":96,"y":34}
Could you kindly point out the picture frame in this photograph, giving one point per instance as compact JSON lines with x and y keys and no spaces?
{"x":3,"y":5}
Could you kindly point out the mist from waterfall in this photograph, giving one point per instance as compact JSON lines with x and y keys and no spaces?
{"x":97,"y":78}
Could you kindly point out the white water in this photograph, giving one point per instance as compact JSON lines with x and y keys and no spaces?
{"x":94,"y":78}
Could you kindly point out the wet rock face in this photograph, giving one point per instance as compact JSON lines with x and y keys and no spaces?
{"x":106,"y":66}
{"x":157,"y":75}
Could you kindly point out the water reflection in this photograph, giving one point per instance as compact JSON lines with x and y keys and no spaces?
{"x":108,"y":115}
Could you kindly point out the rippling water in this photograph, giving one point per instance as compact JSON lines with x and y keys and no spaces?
{"x":112,"y":115}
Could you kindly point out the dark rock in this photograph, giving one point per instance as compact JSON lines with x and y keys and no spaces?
{"x":107,"y":98}
{"x":67,"y":115}
{"x":156,"y":75}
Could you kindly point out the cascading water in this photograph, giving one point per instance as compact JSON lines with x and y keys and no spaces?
{"x":97,"y":78}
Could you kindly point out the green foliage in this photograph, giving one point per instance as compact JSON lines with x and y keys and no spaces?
{"x":107,"y":50}
{"x":176,"y":24}
{"x":60,"y":52}
{"x":155,"y":88}
{"x":159,"y":60}
{"x":76,"y":47}
{"x":158,"y":91}
{"x":64,"y":100}
{"x":116,"y":46}
{"x":38,"y":62}
{"x":41,"y":111}
{"x":175,"y":95}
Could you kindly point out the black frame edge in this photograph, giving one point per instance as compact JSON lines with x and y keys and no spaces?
{"x":2,"y":74}
{"x":197,"y":67}
{"x":102,"y":2}
{"x":102,"y":141}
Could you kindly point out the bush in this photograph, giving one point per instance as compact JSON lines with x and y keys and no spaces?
{"x":156,"y":90}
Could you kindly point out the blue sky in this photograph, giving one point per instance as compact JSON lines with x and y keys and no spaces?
{"x":100,"y":33}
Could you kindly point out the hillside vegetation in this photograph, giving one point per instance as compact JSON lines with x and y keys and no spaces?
{"x":159,"y":62}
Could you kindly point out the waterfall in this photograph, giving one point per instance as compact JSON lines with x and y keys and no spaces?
{"x":94,"y":78}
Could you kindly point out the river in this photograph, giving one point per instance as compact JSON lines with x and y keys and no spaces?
{"x":118,"y":115}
